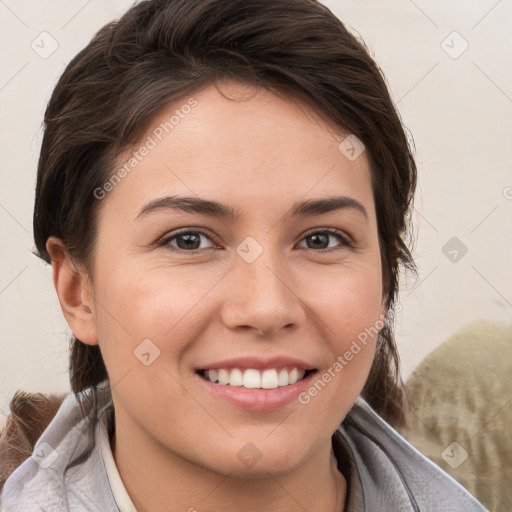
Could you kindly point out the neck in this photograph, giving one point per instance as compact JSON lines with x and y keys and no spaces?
{"x":154,"y":480}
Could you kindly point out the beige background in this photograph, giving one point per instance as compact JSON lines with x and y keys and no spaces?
{"x":458,"y":108}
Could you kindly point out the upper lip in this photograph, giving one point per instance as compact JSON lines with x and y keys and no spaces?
{"x":259,"y":363}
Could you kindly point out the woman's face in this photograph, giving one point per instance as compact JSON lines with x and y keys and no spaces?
{"x":180,"y":291}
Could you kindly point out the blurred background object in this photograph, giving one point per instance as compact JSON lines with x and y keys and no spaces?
{"x":460,"y":399}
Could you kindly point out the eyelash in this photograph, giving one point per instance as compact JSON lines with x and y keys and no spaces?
{"x":339,"y":235}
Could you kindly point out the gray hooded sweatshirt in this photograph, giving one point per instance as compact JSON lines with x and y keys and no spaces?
{"x":72,"y":468}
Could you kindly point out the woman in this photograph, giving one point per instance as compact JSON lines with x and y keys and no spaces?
{"x":195,"y":155}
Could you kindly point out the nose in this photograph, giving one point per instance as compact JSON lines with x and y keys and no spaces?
{"x":263,"y":297}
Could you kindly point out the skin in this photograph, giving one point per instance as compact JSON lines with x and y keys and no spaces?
{"x":175,"y":443}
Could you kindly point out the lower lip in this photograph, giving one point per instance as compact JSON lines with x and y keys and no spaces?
{"x":258,"y":399}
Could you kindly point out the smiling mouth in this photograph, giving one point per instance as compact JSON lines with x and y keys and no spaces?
{"x":252,"y":378}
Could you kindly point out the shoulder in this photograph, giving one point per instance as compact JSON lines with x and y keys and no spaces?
{"x":65,"y":469}
{"x":392,"y":474}
{"x":29,"y":415}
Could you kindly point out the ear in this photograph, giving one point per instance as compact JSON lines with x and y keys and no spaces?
{"x":75,"y":292}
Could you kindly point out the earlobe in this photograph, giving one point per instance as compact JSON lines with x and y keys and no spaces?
{"x":74,"y":291}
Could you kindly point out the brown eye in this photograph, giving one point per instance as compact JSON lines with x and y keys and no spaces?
{"x":186,"y":241}
{"x":320,"y":240}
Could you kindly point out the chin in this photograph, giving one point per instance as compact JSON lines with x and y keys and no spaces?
{"x":248,"y":460}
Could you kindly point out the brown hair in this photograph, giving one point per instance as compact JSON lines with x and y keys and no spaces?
{"x":30,"y":414}
{"x":161,"y":51}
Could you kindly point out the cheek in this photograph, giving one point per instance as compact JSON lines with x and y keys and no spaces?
{"x":347,"y":299}
{"x":172,"y":306}
{"x":334,"y":389}
{"x":161,"y":305}
{"x":348,"y":305}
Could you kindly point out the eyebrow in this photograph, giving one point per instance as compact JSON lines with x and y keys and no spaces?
{"x":214,"y":209}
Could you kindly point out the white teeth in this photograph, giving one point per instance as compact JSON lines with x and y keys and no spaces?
{"x":236,"y":378}
{"x":223,"y":377}
{"x":283,"y":377}
{"x":254,"y":379}
{"x":269,"y":379}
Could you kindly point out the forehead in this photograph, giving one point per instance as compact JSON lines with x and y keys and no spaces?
{"x":251,"y":144}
